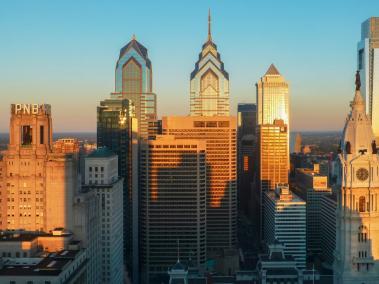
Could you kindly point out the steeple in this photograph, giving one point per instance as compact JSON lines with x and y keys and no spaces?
{"x":209,"y":25}
{"x":357,"y":135}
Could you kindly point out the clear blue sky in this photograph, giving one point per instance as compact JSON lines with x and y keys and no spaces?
{"x":64,"y":53}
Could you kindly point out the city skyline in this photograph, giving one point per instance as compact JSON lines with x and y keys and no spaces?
{"x":61,"y":59}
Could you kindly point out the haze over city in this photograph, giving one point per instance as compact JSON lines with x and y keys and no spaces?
{"x":64,"y":53}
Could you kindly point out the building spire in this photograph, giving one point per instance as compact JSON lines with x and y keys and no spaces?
{"x":209,"y":25}
{"x":134,"y":37}
{"x":357,"y":81}
{"x":177,"y":242}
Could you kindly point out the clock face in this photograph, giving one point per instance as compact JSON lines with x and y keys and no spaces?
{"x":362,"y":174}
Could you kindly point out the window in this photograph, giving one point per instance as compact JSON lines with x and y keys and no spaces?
{"x":362,"y":204}
{"x":26,"y":135}
{"x":41,"y":134}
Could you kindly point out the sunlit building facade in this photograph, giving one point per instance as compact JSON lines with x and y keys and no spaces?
{"x":134,"y":81}
{"x":37,"y":185}
{"x":273,"y":154}
{"x":357,"y":244}
{"x":272,"y":97}
{"x":209,"y":86}
{"x":219,"y":134}
{"x":368,"y":65}
{"x":173,"y":205}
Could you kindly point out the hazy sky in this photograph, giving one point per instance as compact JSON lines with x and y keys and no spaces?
{"x":64,"y":53}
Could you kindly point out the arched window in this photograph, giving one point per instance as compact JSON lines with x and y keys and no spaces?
{"x":362,"y":204}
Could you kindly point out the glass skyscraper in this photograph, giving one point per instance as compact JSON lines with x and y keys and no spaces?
{"x":368,"y":65}
{"x":209,"y":86}
{"x":117,"y":130}
{"x":133,"y":81}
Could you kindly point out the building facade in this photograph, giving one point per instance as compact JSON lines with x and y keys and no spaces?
{"x":219,"y":134}
{"x":37,"y":185}
{"x":357,"y":243}
{"x":247,"y":151}
{"x":117,"y":129}
{"x":272,"y":97}
{"x":173,"y":204}
{"x":327,"y":216}
{"x":368,"y":65}
{"x":134,"y":81}
{"x":273,"y":157}
{"x":285,"y":221}
{"x":311,"y":187}
{"x":209,"y":86}
{"x":102,"y":179}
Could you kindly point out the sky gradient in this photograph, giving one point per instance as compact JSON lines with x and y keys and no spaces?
{"x":64,"y":53}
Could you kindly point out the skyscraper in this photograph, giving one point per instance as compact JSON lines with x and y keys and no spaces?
{"x":273,"y":154}
{"x":357,"y":243}
{"x":272,"y":97}
{"x":219,"y":134}
{"x":37,"y":185}
{"x":209,"y":86}
{"x":285,"y":219}
{"x":173,"y":204}
{"x":368,"y":65}
{"x":101,"y":176}
{"x":134,"y":81}
{"x":247,"y":150}
{"x":272,"y":135}
{"x":117,"y":129}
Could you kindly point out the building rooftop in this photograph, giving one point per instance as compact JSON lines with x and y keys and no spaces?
{"x":102,"y":152}
{"x":15,"y":237}
{"x":272,"y":70}
{"x":52,"y":265}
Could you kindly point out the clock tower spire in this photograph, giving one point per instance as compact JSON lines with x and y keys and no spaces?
{"x":357,"y":230}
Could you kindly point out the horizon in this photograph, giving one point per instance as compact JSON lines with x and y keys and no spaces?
{"x":70,"y":55}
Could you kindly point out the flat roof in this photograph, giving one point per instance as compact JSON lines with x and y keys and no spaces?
{"x":52,"y":265}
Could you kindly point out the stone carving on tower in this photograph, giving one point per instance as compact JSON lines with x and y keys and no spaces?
{"x":357,"y":240}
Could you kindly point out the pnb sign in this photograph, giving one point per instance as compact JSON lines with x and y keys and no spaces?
{"x":29,"y":109}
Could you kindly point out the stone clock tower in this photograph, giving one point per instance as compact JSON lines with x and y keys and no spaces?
{"x":357,"y":242}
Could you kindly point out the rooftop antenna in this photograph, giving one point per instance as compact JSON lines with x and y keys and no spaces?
{"x":177,"y":241}
{"x":209,"y":25}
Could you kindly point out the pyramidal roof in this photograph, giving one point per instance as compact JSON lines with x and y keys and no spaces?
{"x":136,"y":45}
{"x":272,"y":70}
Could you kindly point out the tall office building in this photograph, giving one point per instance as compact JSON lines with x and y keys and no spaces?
{"x":101,"y":177}
{"x":173,"y":204}
{"x":272,"y":134}
{"x":209,"y":86}
{"x":117,"y":129}
{"x":37,"y":185}
{"x":285,"y":219}
{"x":311,"y":187}
{"x":134,"y":81}
{"x":368,"y":65}
{"x":273,"y":155}
{"x":297,"y":144}
{"x":327,"y":216}
{"x":246,"y":151}
{"x":272,"y":97}
{"x":357,"y":243}
{"x":219,"y":134}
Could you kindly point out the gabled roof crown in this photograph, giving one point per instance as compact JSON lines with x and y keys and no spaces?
{"x":272,"y":70}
